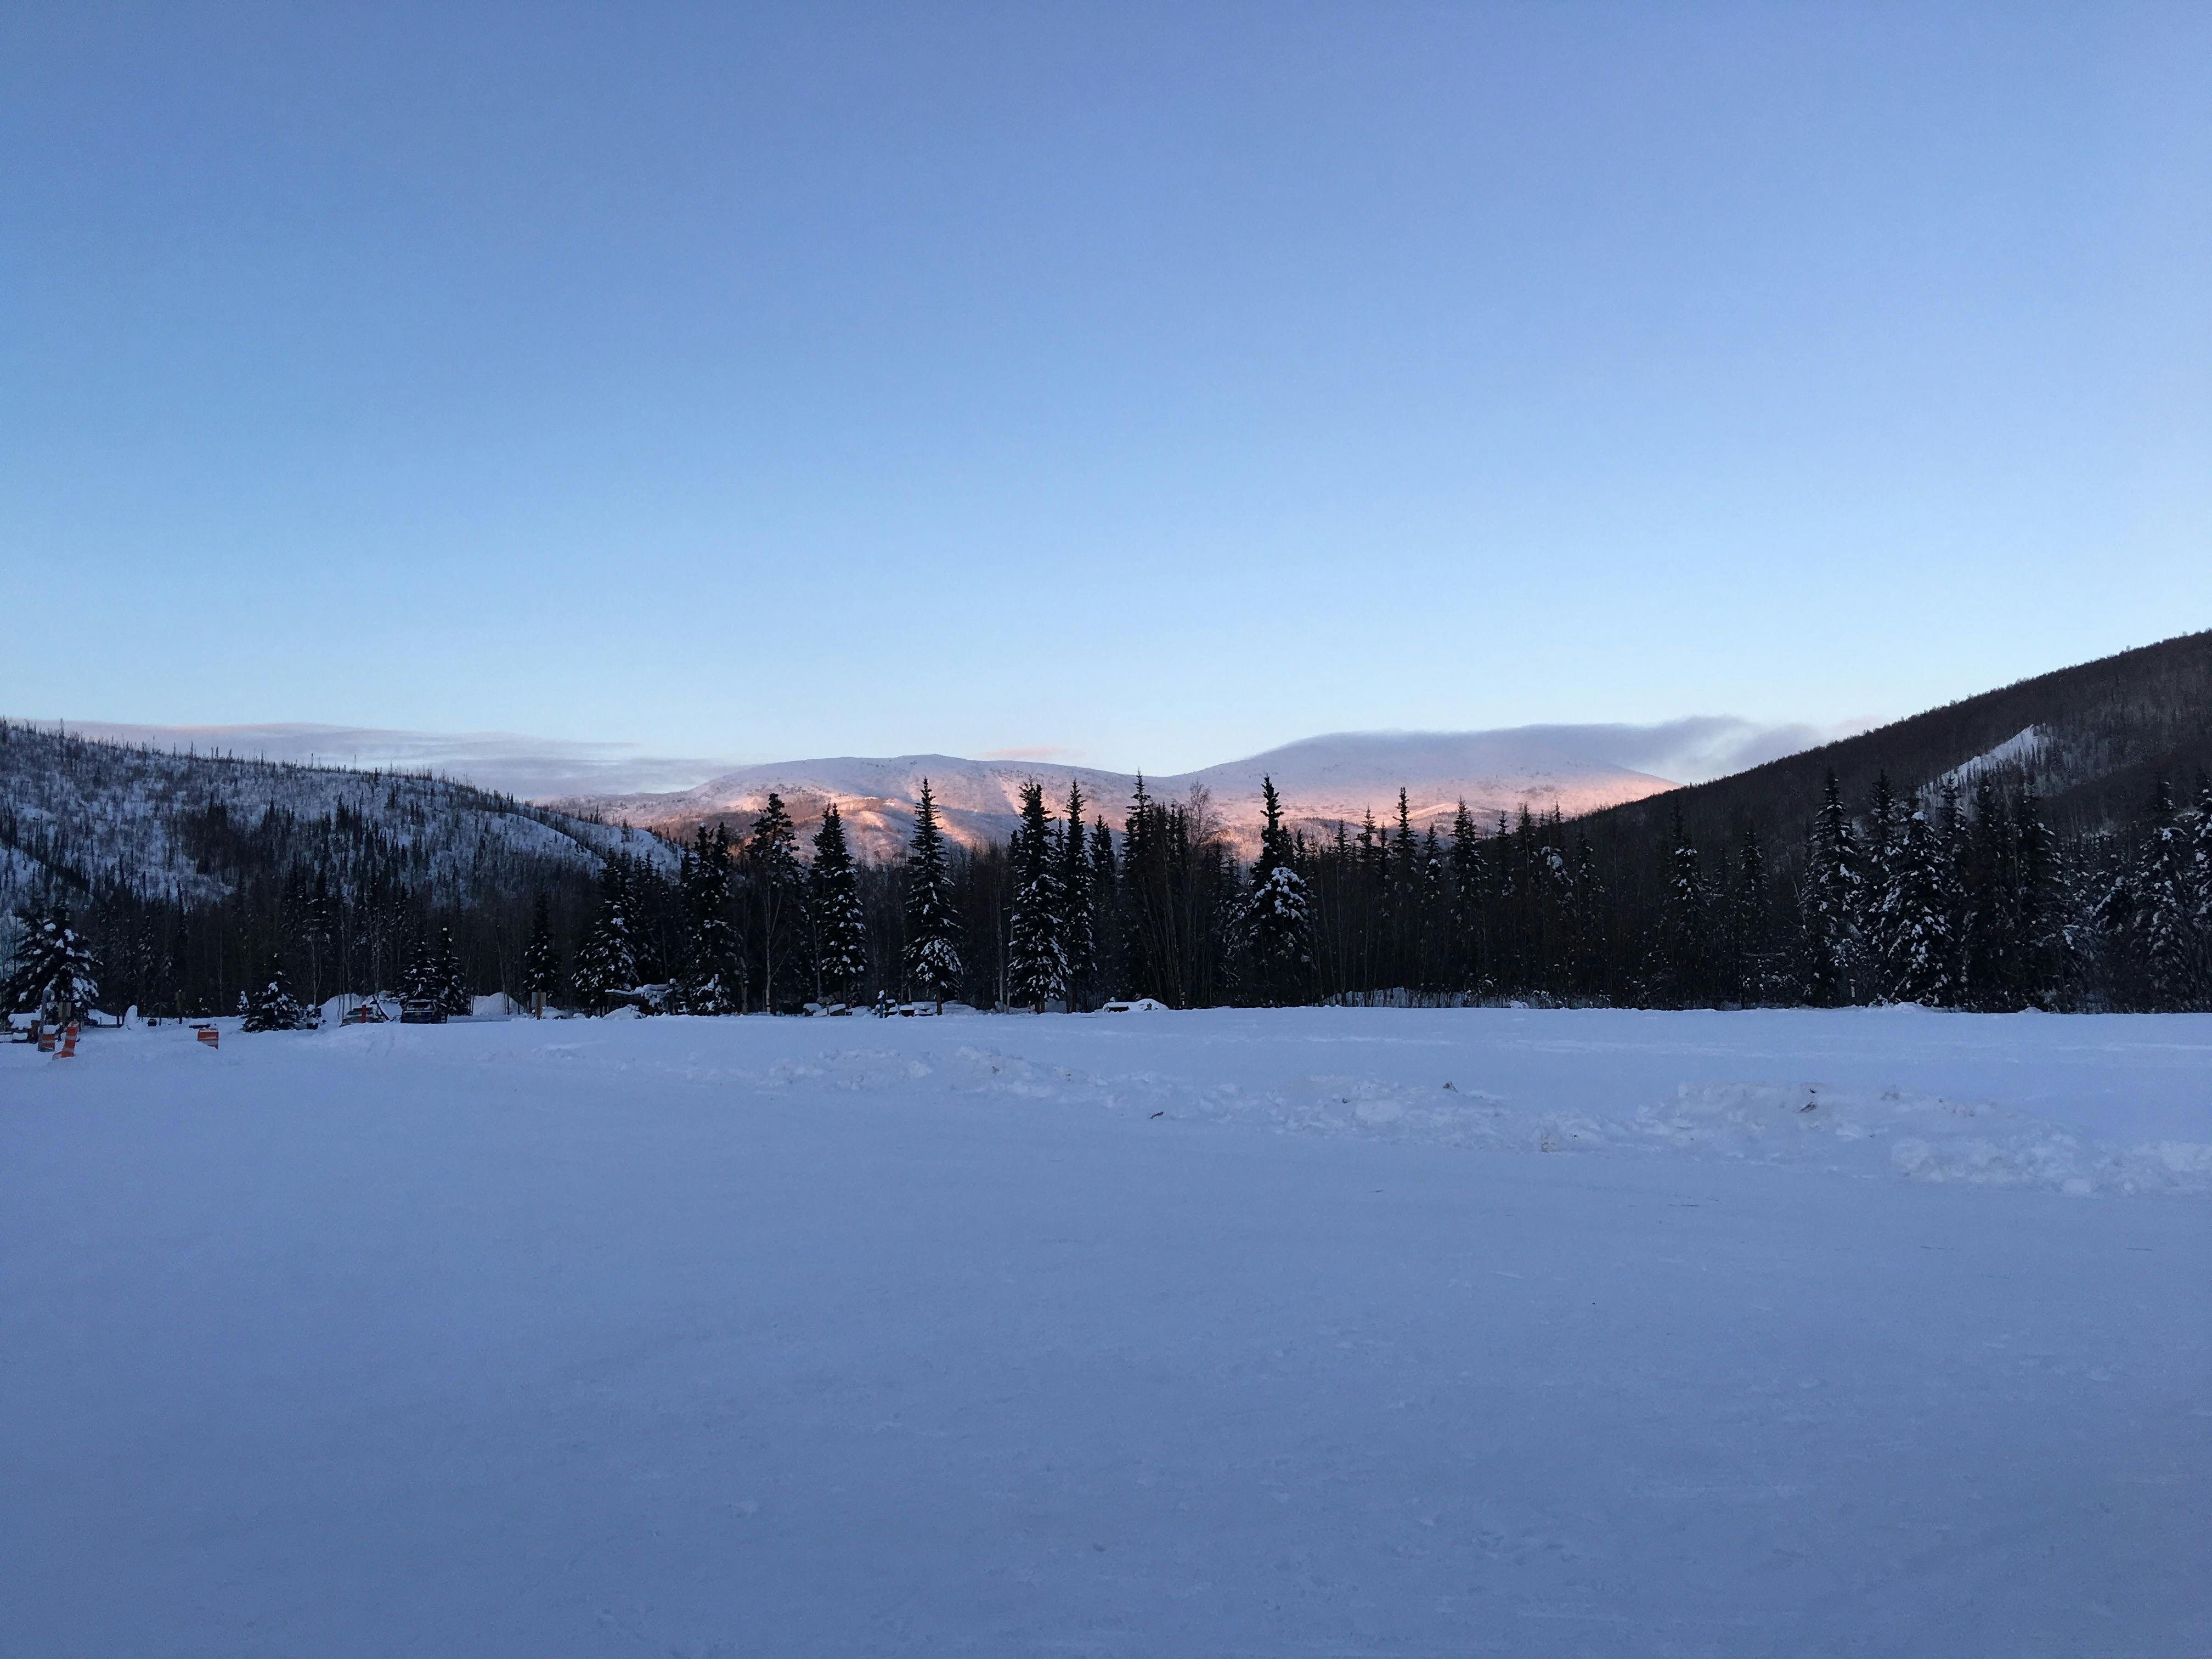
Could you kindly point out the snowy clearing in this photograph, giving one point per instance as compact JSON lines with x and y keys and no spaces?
{"x":1311,"y":1331}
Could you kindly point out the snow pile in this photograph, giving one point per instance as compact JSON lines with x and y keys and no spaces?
{"x":1921,"y":1136}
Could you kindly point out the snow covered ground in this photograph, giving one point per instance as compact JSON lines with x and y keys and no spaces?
{"x":1319,"y":1332}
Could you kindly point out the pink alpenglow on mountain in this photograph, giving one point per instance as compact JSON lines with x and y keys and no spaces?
{"x":1323,"y":781}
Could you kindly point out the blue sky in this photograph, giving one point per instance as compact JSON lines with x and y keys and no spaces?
{"x":1154,"y":385}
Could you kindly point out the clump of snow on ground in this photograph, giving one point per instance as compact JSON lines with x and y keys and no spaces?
{"x":1585,"y":1099}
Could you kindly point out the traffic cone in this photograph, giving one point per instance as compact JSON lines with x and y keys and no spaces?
{"x":69,"y":1042}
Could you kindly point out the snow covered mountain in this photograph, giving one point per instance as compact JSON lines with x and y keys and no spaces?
{"x":1322,"y":781}
{"x":93,"y":815}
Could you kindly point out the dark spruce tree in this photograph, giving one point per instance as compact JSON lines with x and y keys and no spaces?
{"x":772,"y":866}
{"x":1989,"y":881}
{"x":2200,"y":857}
{"x":1757,"y":972}
{"x":837,"y":924}
{"x":2165,"y":913}
{"x":1679,"y":973}
{"x":1079,"y":938}
{"x":1950,"y":822}
{"x":1470,"y":888}
{"x":420,"y":982}
{"x":1105,"y":914}
{"x":934,"y":966}
{"x":1588,"y":946}
{"x":606,"y":962}
{"x":541,"y":956}
{"x":271,"y":1006}
{"x":2040,"y":967}
{"x":713,"y":981}
{"x":1036,"y":971}
{"x":1830,"y":905}
{"x":451,"y":979}
{"x":1278,"y":914}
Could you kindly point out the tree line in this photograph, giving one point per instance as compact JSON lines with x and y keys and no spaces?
{"x":1948,"y":896}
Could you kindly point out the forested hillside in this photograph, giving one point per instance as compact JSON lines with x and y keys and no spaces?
{"x":185,"y":873}
{"x":2094,"y":738}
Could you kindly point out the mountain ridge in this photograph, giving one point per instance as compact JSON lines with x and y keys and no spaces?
{"x":1323,"y":780}
{"x":2092,"y":737}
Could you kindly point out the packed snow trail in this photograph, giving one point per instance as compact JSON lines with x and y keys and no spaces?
{"x":1177,"y":1335}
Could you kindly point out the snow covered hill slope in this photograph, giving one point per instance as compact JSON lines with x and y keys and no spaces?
{"x":89,"y":814}
{"x":2095,"y":738}
{"x":1572,"y":1335}
{"x":1323,"y":780}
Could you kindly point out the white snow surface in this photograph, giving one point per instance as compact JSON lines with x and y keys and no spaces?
{"x":1261,"y":1333}
{"x":2020,"y":748}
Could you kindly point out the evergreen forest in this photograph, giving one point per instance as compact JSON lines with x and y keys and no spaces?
{"x":1956,"y":894}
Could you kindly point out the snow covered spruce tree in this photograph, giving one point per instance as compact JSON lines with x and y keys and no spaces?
{"x":449,"y":979}
{"x":1916,"y":925}
{"x":607,"y":960}
{"x":712,"y":978}
{"x":1106,"y":952}
{"x":1278,"y":914}
{"x":1878,"y":900}
{"x":772,"y":868}
{"x":2165,"y":911}
{"x":55,"y":973}
{"x":1036,"y":972}
{"x":1829,"y":903}
{"x":541,"y":957}
{"x":933,"y":968}
{"x":1950,"y":822}
{"x":2200,"y":863}
{"x":271,"y":1006}
{"x":837,"y":925}
{"x":418,"y":980}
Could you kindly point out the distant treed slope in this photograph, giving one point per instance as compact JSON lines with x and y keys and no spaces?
{"x":87,"y":816}
{"x":2095,"y":738}
{"x":1322,"y":781}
